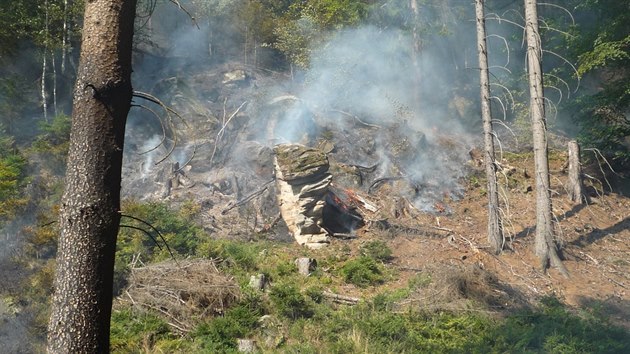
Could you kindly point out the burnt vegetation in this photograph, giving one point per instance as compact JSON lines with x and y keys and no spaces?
{"x":311,"y":176}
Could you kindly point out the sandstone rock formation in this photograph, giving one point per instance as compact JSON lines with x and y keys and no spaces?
{"x":302,"y":179}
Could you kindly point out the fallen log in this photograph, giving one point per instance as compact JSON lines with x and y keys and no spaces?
{"x":340,"y":299}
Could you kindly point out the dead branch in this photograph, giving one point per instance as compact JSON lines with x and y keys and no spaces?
{"x":169,"y":111}
{"x":224,"y":125}
{"x":145,"y":232}
{"x":507,"y":47}
{"x":559,"y":7}
{"x":161,"y":125}
{"x":273,"y":223}
{"x":355,"y":118}
{"x":509,"y":93}
{"x":248,"y":197}
{"x":192,"y":18}
{"x":553,"y":29}
{"x":577,"y":75}
{"x":558,"y":78}
{"x":496,"y":17}
{"x":502,"y":106}
{"x":152,"y":228}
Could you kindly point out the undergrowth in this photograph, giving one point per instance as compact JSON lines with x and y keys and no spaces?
{"x":293,"y":316}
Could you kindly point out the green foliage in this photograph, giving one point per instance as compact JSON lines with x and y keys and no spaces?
{"x":220,"y":334}
{"x":12,"y":179}
{"x":363,"y":271}
{"x":601,"y":47}
{"x":377,"y":250}
{"x":555,"y":329}
{"x":133,"y":332}
{"x":604,"y":54}
{"x":15,"y":96}
{"x":53,"y":142}
{"x":289,"y":301}
{"x":233,"y":255}
{"x":180,"y":233}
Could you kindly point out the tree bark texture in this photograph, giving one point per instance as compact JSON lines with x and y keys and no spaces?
{"x":89,"y":215}
{"x":575,"y":184}
{"x":495,"y":233}
{"x":545,"y":246}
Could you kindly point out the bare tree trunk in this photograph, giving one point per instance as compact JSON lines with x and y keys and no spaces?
{"x":495,"y":232}
{"x":415,"y":53}
{"x":575,"y":185}
{"x":44,"y":64}
{"x":545,"y":246}
{"x":64,"y":36}
{"x":54,"y":83}
{"x":43,"y":87}
{"x":89,"y":215}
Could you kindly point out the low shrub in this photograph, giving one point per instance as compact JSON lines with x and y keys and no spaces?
{"x":363,"y":271}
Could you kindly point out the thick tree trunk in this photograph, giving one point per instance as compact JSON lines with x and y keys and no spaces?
{"x":89,"y":215}
{"x":495,"y":233}
{"x":545,"y":246}
{"x":575,"y":174}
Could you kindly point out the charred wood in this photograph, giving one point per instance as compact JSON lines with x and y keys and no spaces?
{"x":379,"y":181}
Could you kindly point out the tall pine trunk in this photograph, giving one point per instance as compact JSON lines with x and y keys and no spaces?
{"x":495,"y":233}
{"x":415,"y":53}
{"x":89,"y":215}
{"x":545,"y":246}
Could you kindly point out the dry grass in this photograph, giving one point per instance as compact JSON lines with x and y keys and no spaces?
{"x":462,"y":287}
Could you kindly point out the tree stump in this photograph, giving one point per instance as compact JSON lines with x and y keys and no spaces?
{"x":258,"y":282}
{"x":575,"y":185}
{"x":246,"y":345}
{"x":305,"y":265}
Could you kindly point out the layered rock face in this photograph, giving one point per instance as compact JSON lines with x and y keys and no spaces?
{"x":303,"y":179}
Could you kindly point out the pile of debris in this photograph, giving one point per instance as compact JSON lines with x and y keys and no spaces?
{"x":183,"y":292}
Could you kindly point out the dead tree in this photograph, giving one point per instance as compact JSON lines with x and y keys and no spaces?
{"x":575,"y":184}
{"x":415,"y":52}
{"x":545,"y":245}
{"x":495,"y":232}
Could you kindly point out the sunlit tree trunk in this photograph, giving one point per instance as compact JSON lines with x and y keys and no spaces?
{"x":545,"y":246}
{"x":89,"y":214}
{"x":495,"y":232}
{"x":575,"y":184}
